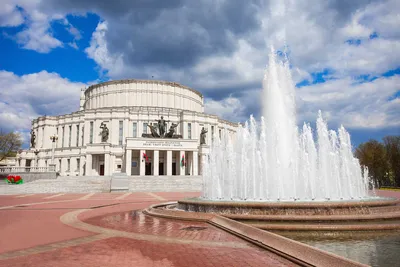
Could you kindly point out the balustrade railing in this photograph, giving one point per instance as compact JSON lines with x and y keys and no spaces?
{"x":14,"y":169}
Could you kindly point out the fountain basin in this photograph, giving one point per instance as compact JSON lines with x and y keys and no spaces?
{"x":350,"y":215}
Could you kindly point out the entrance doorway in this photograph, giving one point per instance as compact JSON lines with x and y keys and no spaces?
{"x":161,"y":168}
{"x":101,"y":169}
{"x":148,"y":168}
{"x":173,"y":168}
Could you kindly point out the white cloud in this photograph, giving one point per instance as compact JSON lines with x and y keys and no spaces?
{"x":229,"y":108}
{"x":24,"y":98}
{"x":315,"y":35}
{"x":10,"y":15}
{"x":37,"y":34}
{"x":355,"y":105}
{"x":98,"y":51}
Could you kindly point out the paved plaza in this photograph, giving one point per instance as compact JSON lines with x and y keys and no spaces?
{"x":108,"y":229}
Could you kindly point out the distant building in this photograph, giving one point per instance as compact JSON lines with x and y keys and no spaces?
{"x":105,"y":135}
{"x":8,"y":162}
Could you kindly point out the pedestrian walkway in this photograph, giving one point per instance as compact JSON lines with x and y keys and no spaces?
{"x":108,"y":229}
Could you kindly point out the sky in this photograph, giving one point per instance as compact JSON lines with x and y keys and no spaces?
{"x":344,"y":56}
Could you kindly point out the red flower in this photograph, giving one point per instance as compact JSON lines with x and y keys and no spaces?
{"x":10,"y":178}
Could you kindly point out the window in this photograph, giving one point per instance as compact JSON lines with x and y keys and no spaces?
{"x":59,"y":165}
{"x":78,"y":164}
{"x":145,"y":127}
{"x":212,"y":133}
{"x":189,"y":131}
{"x":121,"y":132}
{"x":77,"y":135}
{"x":42,"y":136}
{"x":91,"y":133}
{"x":62,"y":138}
{"x":70,"y":135}
{"x":134,"y":133}
{"x":57,"y":135}
{"x":220,"y":134}
{"x":83,"y":134}
{"x":119,"y":166}
{"x":68,"y":164}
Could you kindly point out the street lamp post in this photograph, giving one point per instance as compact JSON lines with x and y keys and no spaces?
{"x":53,"y":139}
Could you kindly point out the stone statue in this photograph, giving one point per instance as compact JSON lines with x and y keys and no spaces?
{"x":203,"y":136}
{"x":153,"y":130}
{"x":104,"y":132}
{"x":162,"y":125}
{"x":33,"y":139}
{"x":171,"y":131}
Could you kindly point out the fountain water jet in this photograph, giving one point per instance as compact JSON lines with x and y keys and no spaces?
{"x":276,"y":161}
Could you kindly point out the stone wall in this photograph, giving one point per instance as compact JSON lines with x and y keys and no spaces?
{"x":32,"y":176}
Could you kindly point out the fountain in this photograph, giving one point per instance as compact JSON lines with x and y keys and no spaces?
{"x":272,"y":160}
{"x":276,"y":177}
{"x":271,"y":176}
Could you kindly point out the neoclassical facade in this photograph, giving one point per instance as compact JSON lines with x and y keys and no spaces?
{"x":77,"y":143}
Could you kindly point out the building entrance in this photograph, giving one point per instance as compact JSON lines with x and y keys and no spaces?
{"x":101,"y":169}
{"x":148,"y":168}
{"x":174,"y":168}
{"x":161,"y":168}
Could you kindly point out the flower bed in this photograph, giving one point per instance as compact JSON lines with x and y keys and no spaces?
{"x":14,"y":179}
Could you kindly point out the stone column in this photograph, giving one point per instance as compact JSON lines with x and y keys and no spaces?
{"x":168,"y":161}
{"x":128,"y":162}
{"x":156,"y":160}
{"x":81,"y":164}
{"x":195,"y":162}
{"x":112,"y":164}
{"x":142,"y":163}
{"x":88,"y":164}
{"x":181,"y":168}
{"x":106,"y":164}
{"x":23,"y":162}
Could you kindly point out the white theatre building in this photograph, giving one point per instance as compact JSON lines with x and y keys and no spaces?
{"x":126,"y":107}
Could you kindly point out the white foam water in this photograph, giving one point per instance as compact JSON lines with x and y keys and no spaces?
{"x":273,"y":160}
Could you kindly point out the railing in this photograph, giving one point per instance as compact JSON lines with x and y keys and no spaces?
{"x":14,"y":169}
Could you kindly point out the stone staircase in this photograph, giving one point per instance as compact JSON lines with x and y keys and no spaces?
{"x":97,"y":184}
{"x":165,"y":183}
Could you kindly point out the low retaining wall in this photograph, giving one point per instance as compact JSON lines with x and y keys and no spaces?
{"x":32,"y":176}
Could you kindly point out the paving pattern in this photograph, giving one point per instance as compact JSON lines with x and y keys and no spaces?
{"x":108,"y":229}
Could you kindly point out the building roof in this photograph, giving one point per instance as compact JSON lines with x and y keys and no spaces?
{"x":144,"y":81}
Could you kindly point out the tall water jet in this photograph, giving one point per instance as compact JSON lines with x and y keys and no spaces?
{"x":273,"y":160}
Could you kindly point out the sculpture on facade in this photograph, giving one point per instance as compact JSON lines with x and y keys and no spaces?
{"x":104,"y":132}
{"x":162,"y":125}
{"x":33,"y":139}
{"x":153,"y":130}
{"x":203,"y":136}
{"x":171,"y":131}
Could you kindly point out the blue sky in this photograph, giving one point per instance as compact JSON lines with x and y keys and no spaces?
{"x":344,"y":55}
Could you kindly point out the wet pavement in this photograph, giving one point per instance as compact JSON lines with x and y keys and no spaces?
{"x":108,"y":229}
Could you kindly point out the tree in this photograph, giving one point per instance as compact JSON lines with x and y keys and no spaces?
{"x":392,"y":146}
{"x":10,"y":143}
{"x":373,"y":155}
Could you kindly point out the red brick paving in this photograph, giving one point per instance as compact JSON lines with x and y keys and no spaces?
{"x":137,"y":222}
{"x":39,"y":224}
{"x":122,"y":252}
{"x":21,"y":229}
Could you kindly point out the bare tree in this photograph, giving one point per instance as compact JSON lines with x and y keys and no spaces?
{"x":9,"y":144}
